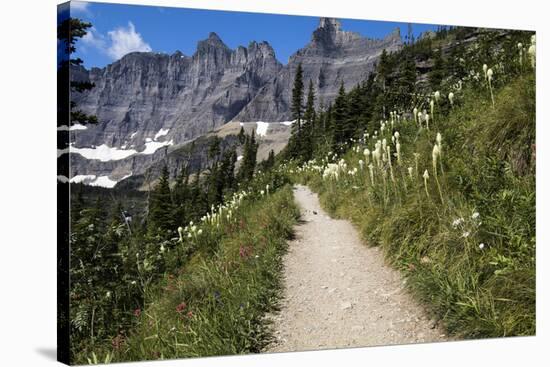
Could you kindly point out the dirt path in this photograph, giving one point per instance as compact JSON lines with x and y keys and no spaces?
{"x":340,"y":293}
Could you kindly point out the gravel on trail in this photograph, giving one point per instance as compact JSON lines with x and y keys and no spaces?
{"x":340,"y":293}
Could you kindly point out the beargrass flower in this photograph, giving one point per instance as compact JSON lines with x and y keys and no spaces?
{"x":426,"y":176}
{"x":481,"y":246}
{"x":361,"y":164}
{"x":410,"y":170}
{"x":485,"y":67}
{"x":451,"y":98}
{"x":415,"y":114}
{"x":432,"y":105}
{"x":427,"y":118}
{"x":199,"y":232}
{"x":388,"y":150}
{"x":371,"y":173}
{"x":475,"y":215}
{"x":435,"y":155}
{"x":437,"y":96}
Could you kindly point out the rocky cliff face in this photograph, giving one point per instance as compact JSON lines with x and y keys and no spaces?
{"x":331,"y":57}
{"x":149,"y":103}
{"x":143,"y":93}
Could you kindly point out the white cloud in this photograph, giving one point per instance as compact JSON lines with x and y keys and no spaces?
{"x":93,"y":39}
{"x":80,"y":7}
{"x":124,"y":40}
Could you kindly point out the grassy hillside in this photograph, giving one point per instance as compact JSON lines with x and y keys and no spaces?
{"x":215,"y":303}
{"x":456,"y":214}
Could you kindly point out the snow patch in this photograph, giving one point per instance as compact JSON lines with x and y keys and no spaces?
{"x":82,"y":178}
{"x":105,"y":181}
{"x":62,"y":178}
{"x":133,"y":134}
{"x":72,"y":128}
{"x":152,"y":146}
{"x":104,"y":153}
{"x":147,"y":140}
{"x":261,"y":129}
{"x":78,"y":127}
{"x":160,"y":133}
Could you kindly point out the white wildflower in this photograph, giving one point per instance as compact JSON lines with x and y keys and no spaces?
{"x":451,"y":98}
{"x":481,"y":246}
{"x":490,"y":75}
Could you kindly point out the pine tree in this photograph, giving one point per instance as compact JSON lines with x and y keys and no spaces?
{"x":248,"y":165}
{"x":438,"y":71}
{"x":295,"y":142}
{"x":270,"y":160}
{"x":241,"y":136}
{"x":308,"y":134}
{"x":298,"y":96}
{"x":161,"y":209}
{"x":339,"y":116}
{"x":68,"y":33}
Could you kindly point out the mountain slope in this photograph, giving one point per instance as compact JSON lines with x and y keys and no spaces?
{"x":148,"y":103}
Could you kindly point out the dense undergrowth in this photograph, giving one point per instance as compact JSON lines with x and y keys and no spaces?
{"x":458,"y":220}
{"x":215,"y":303}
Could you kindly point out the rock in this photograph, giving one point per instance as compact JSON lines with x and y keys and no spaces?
{"x":345,"y":306}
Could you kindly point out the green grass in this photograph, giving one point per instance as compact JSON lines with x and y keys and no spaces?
{"x":488,"y":167}
{"x":228,"y":285}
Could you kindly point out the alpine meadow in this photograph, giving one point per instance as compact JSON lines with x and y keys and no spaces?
{"x":369,"y":191}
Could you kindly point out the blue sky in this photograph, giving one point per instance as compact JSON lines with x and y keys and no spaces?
{"x":119,"y":29}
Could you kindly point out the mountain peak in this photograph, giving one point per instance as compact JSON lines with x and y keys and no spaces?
{"x":212,"y":40}
{"x":213,"y":36}
{"x":330,"y":23}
